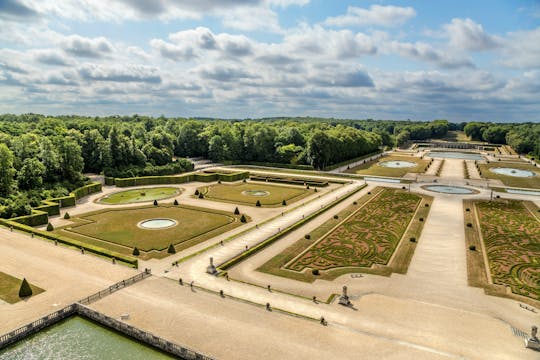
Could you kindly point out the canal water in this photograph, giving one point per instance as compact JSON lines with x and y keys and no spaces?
{"x":79,"y":339}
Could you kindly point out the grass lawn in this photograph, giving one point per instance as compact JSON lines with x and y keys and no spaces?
{"x":510,"y":231}
{"x":118,"y":230}
{"x":9,"y":288}
{"x":373,"y":167}
{"x":513,"y":181}
{"x":243,"y":193}
{"x":139,"y":195}
{"x":363,"y":238}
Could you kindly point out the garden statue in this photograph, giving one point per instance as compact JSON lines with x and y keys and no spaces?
{"x":211,"y":269}
{"x":344,"y":298}
{"x":533,"y":342}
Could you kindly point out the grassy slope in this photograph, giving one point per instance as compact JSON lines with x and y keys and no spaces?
{"x":373,"y":168}
{"x":9,"y":288}
{"x":233,"y":193}
{"x":140,"y":195}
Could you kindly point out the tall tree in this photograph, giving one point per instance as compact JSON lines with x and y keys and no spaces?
{"x":31,"y":174}
{"x":7,"y":171}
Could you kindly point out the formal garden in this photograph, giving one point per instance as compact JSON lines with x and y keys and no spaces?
{"x":154,"y":231}
{"x":254,"y":194}
{"x":13,"y":289}
{"x":391,"y":166}
{"x":139,"y":195}
{"x":364,"y":237}
{"x":514,"y":174}
{"x":510,"y":231}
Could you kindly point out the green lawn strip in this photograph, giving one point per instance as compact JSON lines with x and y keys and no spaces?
{"x":511,"y":237}
{"x":233,"y":193}
{"x":139,"y":195}
{"x":284,"y":232}
{"x":512,"y":181}
{"x":72,"y":243}
{"x":9,"y":288}
{"x":402,"y":252}
{"x":109,"y":229}
{"x":373,"y":167}
{"x":476,"y":267}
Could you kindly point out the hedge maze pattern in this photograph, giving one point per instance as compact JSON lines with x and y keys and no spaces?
{"x":511,"y":235}
{"x":368,"y":237}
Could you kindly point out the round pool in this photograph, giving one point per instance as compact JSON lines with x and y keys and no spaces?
{"x":256,"y":192}
{"x":512,"y":172}
{"x":157,"y":224}
{"x":397,"y":164}
{"x":447,"y":189}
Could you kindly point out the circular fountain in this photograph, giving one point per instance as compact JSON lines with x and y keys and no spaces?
{"x":397,"y":164}
{"x":512,"y":172}
{"x":256,"y":192}
{"x":449,"y":189}
{"x":157,"y":224}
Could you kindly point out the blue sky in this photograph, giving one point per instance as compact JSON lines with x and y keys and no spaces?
{"x":458,"y":60}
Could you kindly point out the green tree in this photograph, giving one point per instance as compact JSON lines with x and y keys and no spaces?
{"x":30,"y":176}
{"x":7,"y":171}
{"x":71,"y":160}
{"x":25,"y":290}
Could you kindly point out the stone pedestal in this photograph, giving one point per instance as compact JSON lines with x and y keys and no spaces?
{"x":533,"y":342}
{"x":344,"y":298}
{"x":211,"y":269}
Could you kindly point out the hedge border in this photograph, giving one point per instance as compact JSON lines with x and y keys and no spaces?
{"x":40,"y":214}
{"x":170,"y":179}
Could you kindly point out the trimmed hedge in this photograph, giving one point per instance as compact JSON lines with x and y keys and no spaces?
{"x":71,"y":242}
{"x":290,"y":181}
{"x":161,"y":180}
{"x":40,"y":214}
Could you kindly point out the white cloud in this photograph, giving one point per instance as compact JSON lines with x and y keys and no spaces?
{"x":119,"y":73}
{"x":426,"y":53}
{"x":86,"y":47}
{"x":376,"y":15}
{"x":468,"y":35}
{"x":522,"y":49}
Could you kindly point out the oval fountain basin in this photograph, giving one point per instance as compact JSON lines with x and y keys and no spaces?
{"x":512,"y":172}
{"x":455,"y":155}
{"x":447,"y":189}
{"x":397,"y":164}
{"x":156,"y":224}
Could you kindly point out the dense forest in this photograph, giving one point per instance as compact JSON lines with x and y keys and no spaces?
{"x":46,"y":156}
{"x":524,"y":138}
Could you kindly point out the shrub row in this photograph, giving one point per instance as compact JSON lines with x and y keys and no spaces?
{"x":270,"y":164}
{"x":40,"y":214}
{"x":290,"y":181}
{"x":160,"y":180}
{"x":71,"y":242}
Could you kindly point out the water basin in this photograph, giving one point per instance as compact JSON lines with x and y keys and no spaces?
{"x":370,"y":178}
{"x":523,"y":192}
{"x":512,"y":172}
{"x":256,"y":192}
{"x":447,"y":189}
{"x":397,"y":164}
{"x":78,"y":338}
{"x":455,"y":155}
{"x":156,"y":224}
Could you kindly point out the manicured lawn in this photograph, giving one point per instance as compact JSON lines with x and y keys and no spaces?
{"x":530,"y":182}
{"x":242,"y":193}
{"x":362,"y":239}
{"x":9,"y":288}
{"x":373,"y":167}
{"x":139,"y":195}
{"x":119,"y":230}
{"x":511,"y":236}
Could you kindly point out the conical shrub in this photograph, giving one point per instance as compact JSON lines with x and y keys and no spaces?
{"x":50,"y":227}
{"x":175,"y":202}
{"x":236,"y":211}
{"x":243,"y":218}
{"x":171,"y":249}
{"x":66,"y":216}
{"x":136,"y":251}
{"x":25,"y":289}
{"x":258,"y":203}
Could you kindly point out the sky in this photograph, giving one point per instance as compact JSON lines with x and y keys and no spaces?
{"x":419,"y":60}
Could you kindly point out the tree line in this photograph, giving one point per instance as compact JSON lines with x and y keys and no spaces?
{"x":46,"y":156}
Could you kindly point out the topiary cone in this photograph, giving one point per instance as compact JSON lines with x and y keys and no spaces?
{"x":236,"y":211}
{"x":175,"y":202}
{"x":258,"y":203}
{"x":243,"y":218}
{"x":171,"y":249}
{"x":25,"y":289}
{"x":155,"y":202}
{"x":50,"y":227}
{"x":66,"y":216}
{"x":136,"y":252}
